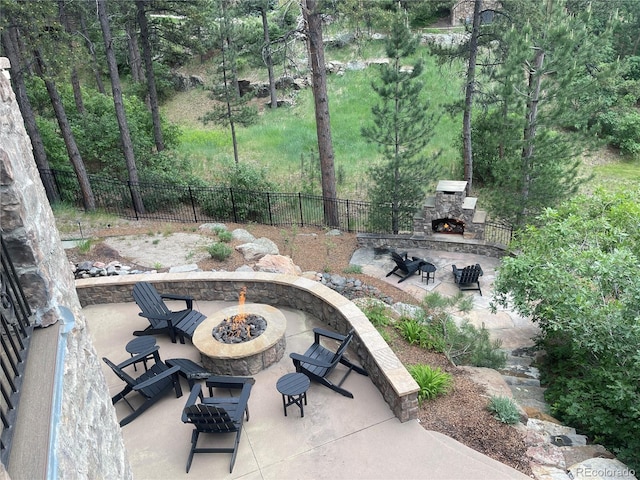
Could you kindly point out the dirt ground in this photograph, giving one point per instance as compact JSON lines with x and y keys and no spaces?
{"x":461,"y":414}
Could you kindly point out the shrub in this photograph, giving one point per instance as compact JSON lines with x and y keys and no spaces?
{"x":225,"y":236}
{"x":425,"y":335}
{"x":504,"y":409}
{"x":432,"y":381}
{"x":377,"y":315}
{"x":84,"y":246}
{"x":219,"y":251}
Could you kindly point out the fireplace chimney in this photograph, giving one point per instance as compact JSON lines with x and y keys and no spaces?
{"x":450,"y":206}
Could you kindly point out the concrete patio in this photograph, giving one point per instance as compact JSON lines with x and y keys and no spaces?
{"x":338,"y":437}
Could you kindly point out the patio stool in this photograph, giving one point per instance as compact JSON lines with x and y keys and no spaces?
{"x":138,"y":345}
{"x":293,"y":387}
{"x":189,"y":370}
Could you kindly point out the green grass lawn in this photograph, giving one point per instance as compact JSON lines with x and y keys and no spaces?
{"x":283,"y":137}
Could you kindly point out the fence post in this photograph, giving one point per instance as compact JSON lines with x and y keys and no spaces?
{"x":193,"y":205}
{"x":300,"y":206}
{"x":269,"y":207}
{"x":233,"y":206}
{"x":133,"y":201}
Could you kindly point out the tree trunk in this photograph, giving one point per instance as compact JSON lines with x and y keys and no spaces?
{"x":227,"y":98}
{"x":323,"y":124}
{"x":267,"y":58}
{"x":535,"y":80}
{"x":151,"y":80}
{"x":468,"y":99}
{"x":127,"y":145}
{"x":95,"y":65}
{"x":75,"y":81}
{"x":39,"y":153}
{"x":134,"y":53}
{"x":67,"y":135}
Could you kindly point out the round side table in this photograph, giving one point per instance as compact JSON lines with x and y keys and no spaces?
{"x":293,"y":387}
{"x":428,"y":272}
{"x":138,"y":345}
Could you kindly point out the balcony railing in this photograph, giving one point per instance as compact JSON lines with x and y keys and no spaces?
{"x":15,"y":336}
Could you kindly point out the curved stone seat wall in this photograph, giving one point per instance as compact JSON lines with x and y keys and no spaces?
{"x":391,"y":378}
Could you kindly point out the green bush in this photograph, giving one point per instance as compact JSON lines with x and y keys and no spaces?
{"x":219,"y":251}
{"x":432,"y":381}
{"x":377,"y":314}
{"x":225,"y":236}
{"x":425,"y":335}
{"x":504,"y":409}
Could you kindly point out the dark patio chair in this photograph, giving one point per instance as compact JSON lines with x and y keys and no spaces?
{"x":152,"y":385}
{"x":318,"y":362}
{"x":468,"y":276}
{"x":217,"y":415}
{"x":177,"y":324}
{"x":405,"y":267}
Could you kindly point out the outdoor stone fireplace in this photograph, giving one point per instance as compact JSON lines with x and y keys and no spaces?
{"x":450,"y":212}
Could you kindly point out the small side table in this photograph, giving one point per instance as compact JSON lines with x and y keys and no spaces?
{"x":428,"y":272}
{"x":189,"y":370}
{"x":140,"y":344}
{"x":293,"y":387}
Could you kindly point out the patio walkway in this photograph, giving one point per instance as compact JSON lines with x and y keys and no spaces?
{"x":338,"y":438}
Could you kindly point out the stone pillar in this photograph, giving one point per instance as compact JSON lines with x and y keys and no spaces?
{"x":87,"y":435}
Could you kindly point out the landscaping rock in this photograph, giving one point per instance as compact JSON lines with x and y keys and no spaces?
{"x":257,"y":249}
{"x":601,"y":469}
{"x":277,"y":264}
{"x":242,"y":235}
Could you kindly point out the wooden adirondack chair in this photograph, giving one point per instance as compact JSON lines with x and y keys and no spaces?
{"x":405,"y":267}
{"x":318,"y":362}
{"x":152,"y":385}
{"x":468,"y":276}
{"x":177,"y":324}
{"x":218,"y":415}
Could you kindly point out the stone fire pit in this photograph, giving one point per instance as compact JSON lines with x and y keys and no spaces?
{"x":245,"y":358}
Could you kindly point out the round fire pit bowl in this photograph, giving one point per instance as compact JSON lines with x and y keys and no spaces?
{"x":245,"y":358}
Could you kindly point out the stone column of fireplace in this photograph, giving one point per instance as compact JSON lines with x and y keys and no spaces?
{"x":450,"y":202}
{"x":85,"y":435}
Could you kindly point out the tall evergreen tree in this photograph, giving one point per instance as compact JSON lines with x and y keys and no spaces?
{"x":535,"y":65}
{"x":403,"y":124}
{"x":233,"y":109}
{"x":125,"y":134}
{"x":313,"y":19}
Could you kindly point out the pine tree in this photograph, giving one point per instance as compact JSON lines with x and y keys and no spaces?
{"x":403,"y":124}
{"x":536,"y":66}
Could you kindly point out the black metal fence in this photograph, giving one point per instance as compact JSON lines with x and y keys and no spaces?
{"x":183,"y":203}
{"x":179,"y":203}
{"x":15,"y":336}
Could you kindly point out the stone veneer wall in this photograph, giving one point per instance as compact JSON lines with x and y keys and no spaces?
{"x":443,"y":242}
{"x":397,"y":386}
{"x":86,"y":435}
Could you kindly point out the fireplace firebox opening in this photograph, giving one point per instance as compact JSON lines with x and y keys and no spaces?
{"x":447,"y":225}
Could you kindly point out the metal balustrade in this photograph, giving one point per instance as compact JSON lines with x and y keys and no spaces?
{"x":15,"y":336}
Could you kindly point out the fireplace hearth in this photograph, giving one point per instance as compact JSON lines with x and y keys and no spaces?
{"x":450,"y":212}
{"x":448,"y":225}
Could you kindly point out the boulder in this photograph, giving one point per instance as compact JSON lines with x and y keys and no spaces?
{"x":277,"y":264}
{"x":242,"y":235}
{"x":601,"y":469}
{"x":259,"y":248}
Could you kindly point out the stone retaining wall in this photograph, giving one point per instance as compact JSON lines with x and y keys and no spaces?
{"x":397,"y":386}
{"x":442,"y":242}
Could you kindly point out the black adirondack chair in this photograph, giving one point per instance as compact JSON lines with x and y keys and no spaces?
{"x":468,"y":278}
{"x":152,"y":385}
{"x":218,"y":415}
{"x":318,"y":362}
{"x":405,"y":267}
{"x":177,"y":324}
